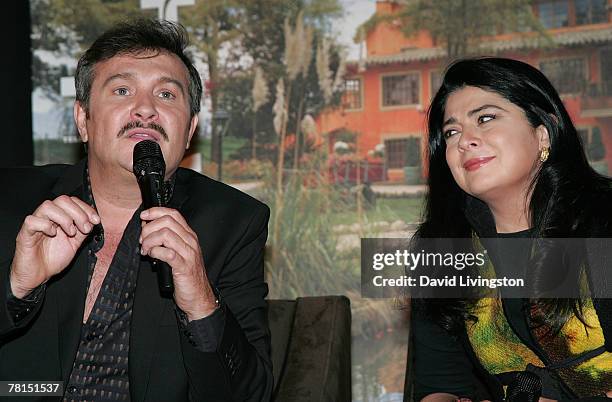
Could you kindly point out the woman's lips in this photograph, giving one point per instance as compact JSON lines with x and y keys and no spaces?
{"x":476,"y":163}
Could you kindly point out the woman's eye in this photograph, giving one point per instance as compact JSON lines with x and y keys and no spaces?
{"x":122,"y":91}
{"x":449,"y":133}
{"x":485,"y":118}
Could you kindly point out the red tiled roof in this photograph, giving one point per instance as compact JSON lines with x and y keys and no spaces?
{"x":565,"y":39}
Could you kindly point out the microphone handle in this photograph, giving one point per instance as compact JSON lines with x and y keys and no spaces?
{"x":164,"y":276}
{"x":151,"y":187}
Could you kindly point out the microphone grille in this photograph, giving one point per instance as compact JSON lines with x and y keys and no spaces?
{"x":529,"y":380}
{"x":148,"y":158}
{"x":527,"y":386}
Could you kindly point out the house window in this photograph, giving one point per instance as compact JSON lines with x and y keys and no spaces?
{"x":591,"y":11}
{"x":400,"y":90}
{"x":395,"y":151}
{"x":567,"y":75}
{"x":554,"y":14}
{"x":401,"y":152}
{"x":351,"y":97}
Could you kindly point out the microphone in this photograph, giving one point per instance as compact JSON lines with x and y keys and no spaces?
{"x":149,"y":167}
{"x":526,"y":387}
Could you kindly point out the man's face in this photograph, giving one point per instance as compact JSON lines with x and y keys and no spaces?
{"x":135,"y":98}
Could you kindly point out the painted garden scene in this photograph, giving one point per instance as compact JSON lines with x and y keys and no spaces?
{"x":318,"y":108}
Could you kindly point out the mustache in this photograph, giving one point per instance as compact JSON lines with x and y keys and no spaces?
{"x":139,"y":124}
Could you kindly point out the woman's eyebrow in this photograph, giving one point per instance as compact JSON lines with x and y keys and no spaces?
{"x":452,"y":120}
{"x":487,"y":106}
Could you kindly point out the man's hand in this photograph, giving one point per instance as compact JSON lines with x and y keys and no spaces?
{"x":48,"y":240}
{"x":167,"y":237}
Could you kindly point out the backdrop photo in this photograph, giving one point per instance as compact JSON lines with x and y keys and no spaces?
{"x":318,"y":108}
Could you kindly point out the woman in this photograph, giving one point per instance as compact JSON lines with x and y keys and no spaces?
{"x":505,"y":161}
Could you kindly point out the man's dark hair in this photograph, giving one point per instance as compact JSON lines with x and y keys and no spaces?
{"x":135,"y":37}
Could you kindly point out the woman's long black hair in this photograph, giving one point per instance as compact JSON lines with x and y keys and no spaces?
{"x":563,"y":202}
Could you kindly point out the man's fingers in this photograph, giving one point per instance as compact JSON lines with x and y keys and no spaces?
{"x":76,"y":211}
{"x":168,"y":222}
{"x":156,"y":213}
{"x":164,"y":254}
{"x":67,"y":214}
{"x":166,"y":238}
{"x":49,"y":210}
{"x":88,"y":209}
{"x":33,"y":224}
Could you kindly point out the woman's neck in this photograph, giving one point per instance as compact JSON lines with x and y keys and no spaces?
{"x":511,"y":214}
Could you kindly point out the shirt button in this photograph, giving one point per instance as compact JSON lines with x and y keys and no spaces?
{"x":90,"y":336}
{"x":72,"y":389}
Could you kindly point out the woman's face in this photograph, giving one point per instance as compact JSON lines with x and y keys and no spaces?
{"x":491,"y":149}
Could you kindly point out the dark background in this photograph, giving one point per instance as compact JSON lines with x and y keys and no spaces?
{"x":15,"y":102}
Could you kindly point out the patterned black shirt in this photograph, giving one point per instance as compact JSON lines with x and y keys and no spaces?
{"x":100,"y":370}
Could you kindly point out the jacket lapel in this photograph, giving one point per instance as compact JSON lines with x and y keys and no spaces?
{"x":146,"y":315}
{"x":70,"y":298}
{"x":70,"y":294}
{"x":149,"y":308}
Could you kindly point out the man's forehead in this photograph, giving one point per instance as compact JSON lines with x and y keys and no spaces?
{"x":132,"y":65}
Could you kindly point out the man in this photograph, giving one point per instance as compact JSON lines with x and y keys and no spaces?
{"x":79,"y":299}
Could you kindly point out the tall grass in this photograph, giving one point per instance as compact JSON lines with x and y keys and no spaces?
{"x":303,"y":260}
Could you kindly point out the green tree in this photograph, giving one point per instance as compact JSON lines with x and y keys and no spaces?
{"x":85,"y":20}
{"x":64,"y":28}
{"x":45,"y":39}
{"x":263,"y":38}
{"x":460,"y":26}
{"x":213,"y":24}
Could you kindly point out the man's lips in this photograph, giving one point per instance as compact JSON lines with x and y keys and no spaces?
{"x":143,"y":134}
{"x":476,"y":163}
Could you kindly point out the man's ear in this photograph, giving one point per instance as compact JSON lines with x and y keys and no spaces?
{"x":543,"y":136}
{"x":80,"y":118}
{"x":192,"y":127}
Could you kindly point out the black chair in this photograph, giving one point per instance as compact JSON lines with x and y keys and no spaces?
{"x":311,"y":349}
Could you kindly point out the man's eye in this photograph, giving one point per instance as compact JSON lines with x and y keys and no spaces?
{"x":449,"y":133}
{"x":121,"y":91}
{"x":485,"y":118}
{"x":166,"y":95}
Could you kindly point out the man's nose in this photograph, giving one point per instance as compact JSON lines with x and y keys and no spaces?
{"x":144,"y":108}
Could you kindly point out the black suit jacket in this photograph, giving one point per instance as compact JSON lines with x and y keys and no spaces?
{"x":163,"y":364}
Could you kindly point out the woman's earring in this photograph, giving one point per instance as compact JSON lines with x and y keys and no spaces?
{"x":544,"y":154}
